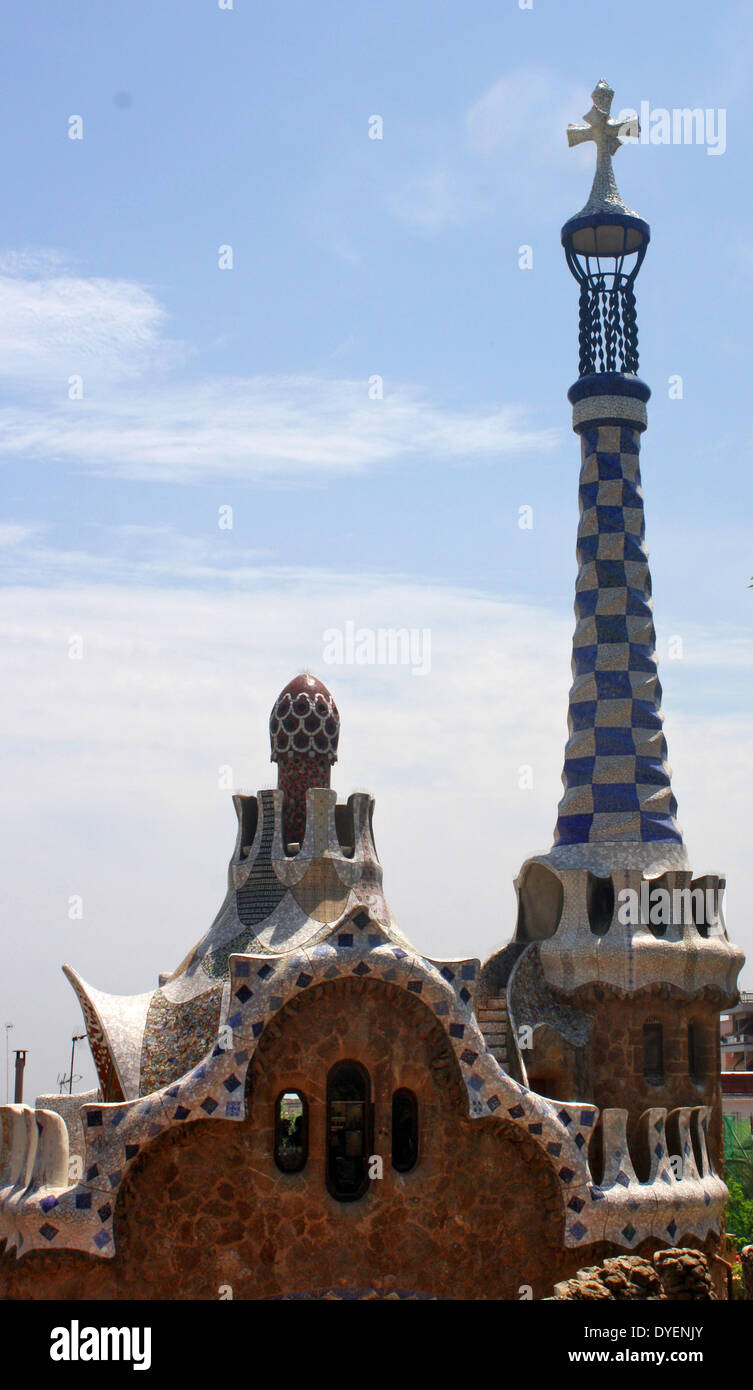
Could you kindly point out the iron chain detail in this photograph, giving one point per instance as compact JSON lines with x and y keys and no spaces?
{"x":607,"y":327}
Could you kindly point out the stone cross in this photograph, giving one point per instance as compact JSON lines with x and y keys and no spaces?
{"x":605,"y":133}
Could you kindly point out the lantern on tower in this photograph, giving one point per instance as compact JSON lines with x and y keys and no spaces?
{"x":604,"y":245}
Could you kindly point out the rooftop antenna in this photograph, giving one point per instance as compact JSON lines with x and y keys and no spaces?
{"x":8,"y":1027}
{"x":69,"y":1080}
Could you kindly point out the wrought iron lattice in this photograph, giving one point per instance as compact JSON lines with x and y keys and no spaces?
{"x":608,"y":323}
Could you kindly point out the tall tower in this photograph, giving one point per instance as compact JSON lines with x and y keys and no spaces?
{"x":629,"y":962}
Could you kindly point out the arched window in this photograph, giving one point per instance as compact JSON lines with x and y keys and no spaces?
{"x":349,"y":1130}
{"x":653,"y":1052}
{"x":291,"y":1131}
{"x":404,"y":1130}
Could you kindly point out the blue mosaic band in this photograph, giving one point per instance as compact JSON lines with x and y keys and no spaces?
{"x":616,"y":777}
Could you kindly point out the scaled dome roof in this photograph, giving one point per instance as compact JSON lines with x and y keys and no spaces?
{"x":304,"y":720}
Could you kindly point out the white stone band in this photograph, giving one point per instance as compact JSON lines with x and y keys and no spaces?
{"x":627,"y":408}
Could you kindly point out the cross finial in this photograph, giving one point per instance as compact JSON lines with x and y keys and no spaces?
{"x":605,"y":133}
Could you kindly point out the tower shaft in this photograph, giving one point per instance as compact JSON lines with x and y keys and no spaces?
{"x":618,"y":809}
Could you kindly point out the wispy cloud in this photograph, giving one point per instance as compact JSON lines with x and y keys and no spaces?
{"x":55,"y":325}
{"x":523,"y":116}
{"x":16,"y":534}
{"x":134,"y":416}
{"x":496,"y":158}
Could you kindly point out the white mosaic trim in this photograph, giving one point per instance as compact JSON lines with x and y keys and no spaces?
{"x":627,"y":408}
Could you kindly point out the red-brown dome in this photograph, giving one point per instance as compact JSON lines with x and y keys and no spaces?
{"x":304,"y":720}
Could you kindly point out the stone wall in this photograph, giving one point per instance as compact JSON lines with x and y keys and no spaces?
{"x":611,"y":1073}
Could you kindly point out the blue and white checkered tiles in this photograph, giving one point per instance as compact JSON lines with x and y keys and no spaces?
{"x":616,"y":777}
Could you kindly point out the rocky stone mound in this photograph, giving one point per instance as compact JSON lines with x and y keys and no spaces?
{"x":671,"y":1274}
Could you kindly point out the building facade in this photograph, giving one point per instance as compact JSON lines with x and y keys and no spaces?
{"x":736,"y":1044}
{"x":308,"y":1103}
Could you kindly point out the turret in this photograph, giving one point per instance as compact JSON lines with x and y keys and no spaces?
{"x":304,"y":728}
{"x":621,"y":954}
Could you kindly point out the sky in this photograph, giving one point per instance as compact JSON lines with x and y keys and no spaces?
{"x":263,"y":376}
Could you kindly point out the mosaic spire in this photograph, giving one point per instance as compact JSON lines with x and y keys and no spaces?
{"x":618,"y":809}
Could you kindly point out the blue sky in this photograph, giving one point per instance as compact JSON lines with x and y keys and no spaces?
{"x":248,"y":388}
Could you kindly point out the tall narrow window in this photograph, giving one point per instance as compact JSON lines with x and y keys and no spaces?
{"x":404,"y":1130}
{"x":694,"y":1052}
{"x":349,"y":1127}
{"x":653,"y":1052}
{"x":291,"y":1131}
